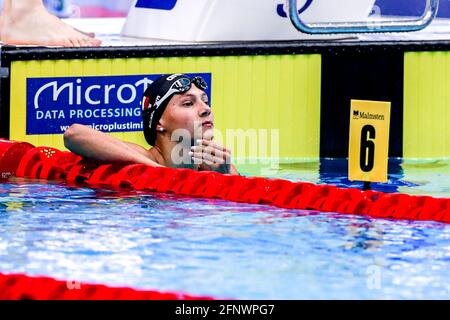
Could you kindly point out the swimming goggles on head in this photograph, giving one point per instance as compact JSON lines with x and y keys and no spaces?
{"x":181,"y":86}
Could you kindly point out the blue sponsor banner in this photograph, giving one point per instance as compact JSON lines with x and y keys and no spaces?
{"x":156,"y":4}
{"x":105,"y":103}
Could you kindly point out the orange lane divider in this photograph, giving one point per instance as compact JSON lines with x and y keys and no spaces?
{"x":53,"y":164}
{"x":23,"y":287}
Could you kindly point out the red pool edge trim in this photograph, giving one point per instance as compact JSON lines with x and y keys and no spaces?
{"x":23,"y":287}
{"x":52,"y":164}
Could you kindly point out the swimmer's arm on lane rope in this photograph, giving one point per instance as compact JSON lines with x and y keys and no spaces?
{"x":100,"y":146}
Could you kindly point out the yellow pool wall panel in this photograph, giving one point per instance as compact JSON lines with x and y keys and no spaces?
{"x":275,"y":92}
{"x":426,"y":132}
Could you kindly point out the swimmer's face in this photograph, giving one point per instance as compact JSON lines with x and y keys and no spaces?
{"x":190,"y":111}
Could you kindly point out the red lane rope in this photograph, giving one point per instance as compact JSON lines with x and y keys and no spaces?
{"x":11,"y":153}
{"x":23,"y":287}
{"x":50,"y":163}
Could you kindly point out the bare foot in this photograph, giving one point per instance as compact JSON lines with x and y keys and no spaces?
{"x":89,"y":34}
{"x":39,"y":27}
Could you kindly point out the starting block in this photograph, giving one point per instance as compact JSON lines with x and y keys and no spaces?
{"x":235,"y":20}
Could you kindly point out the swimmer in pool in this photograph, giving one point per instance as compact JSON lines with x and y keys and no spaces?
{"x":178,"y":123}
{"x":27,"y":22}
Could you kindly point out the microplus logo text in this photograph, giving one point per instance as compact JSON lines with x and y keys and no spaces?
{"x":107,"y":103}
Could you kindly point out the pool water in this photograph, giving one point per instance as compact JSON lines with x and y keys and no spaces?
{"x":225,"y":249}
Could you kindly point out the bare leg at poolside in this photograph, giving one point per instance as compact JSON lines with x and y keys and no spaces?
{"x":27,"y":22}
